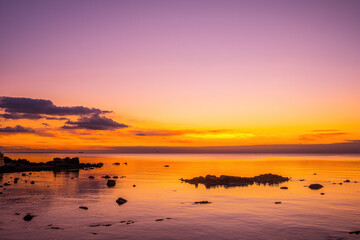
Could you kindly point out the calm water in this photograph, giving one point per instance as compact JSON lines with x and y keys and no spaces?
{"x":235,"y":213}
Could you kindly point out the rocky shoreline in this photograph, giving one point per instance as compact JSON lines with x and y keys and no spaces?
{"x":57,"y":164}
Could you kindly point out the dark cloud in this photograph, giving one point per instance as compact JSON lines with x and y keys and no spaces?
{"x":16,"y":129}
{"x":15,"y":116}
{"x":42,"y":106}
{"x":56,"y":118}
{"x":94,"y":122}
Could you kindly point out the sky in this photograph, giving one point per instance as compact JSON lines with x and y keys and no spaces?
{"x":178,"y":73}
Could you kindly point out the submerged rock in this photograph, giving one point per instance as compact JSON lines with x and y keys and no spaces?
{"x":106,"y":177}
{"x":315,"y":186}
{"x":28,"y":217}
{"x":230,"y":181}
{"x":121,"y":201}
{"x":83,"y":207}
{"x":277,"y":202}
{"x":111,"y":183}
{"x":159,"y":220}
{"x":347,"y":181}
{"x":116,"y":164}
{"x":283,"y":187}
{"x":166,"y":166}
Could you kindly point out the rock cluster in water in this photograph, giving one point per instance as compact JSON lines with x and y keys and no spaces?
{"x":231,"y":181}
{"x":58,"y":164}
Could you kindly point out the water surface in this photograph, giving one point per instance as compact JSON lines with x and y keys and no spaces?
{"x":235,"y":213}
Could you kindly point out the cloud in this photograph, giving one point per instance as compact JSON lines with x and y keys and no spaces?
{"x":323,"y":134}
{"x":152,"y":133}
{"x":56,"y":118}
{"x":16,"y":129}
{"x":222,"y":133}
{"x":94,"y":122}
{"x":42,"y":106}
{"x":15,"y":116}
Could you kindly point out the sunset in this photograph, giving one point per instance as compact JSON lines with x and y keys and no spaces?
{"x":265,"y":93}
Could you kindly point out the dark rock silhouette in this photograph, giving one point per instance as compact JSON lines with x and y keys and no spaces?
{"x":283,"y":187}
{"x":116,"y":164}
{"x":91,"y":177}
{"x":166,"y":166}
{"x":111,"y":183}
{"x":28,"y":217}
{"x":121,"y":201}
{"x":58,"y":164}
{"x":355,"y":232}
{"x":202,"y":202}
{"x":231,"y":181}
{"x":159,"y":220}
{"x":106,"y":177}
{"x":277,"y":202}
{"x":315,"y":186}
{"x":83,"y":207}
{"x":347,"y":181}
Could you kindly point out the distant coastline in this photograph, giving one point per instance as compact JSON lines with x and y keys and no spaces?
{"x":351,"y":147}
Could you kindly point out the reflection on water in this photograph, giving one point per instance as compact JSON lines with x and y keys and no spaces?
{"x":235,"y":213}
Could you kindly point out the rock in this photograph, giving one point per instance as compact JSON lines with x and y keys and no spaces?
{"x":106,"y":177}
{"x":91,"y":177}
{"x":355,"y":232}
{"x":277,"y":202}
{"x":116,"y":164}
{"x":315,"y":186}
{"x":340,"y":183}
{"x":168,"y":218}
{"x":115,"y":177}
{"x":134,"y":185}
{"x":166,"y":166}
{"x":347,"y":181}
{"x":283,"y":187}
{"x":54,"y":228}
{"x":94,"y":225}
{"x":24,"y":174}
{"x":158,"y":220}
{"x":121,"y":201}
{"x":322,"y":193}
{"x":16,"y":180}
{"x":83,"y":207}
{"x":111,"y":183}
{"x":125,"y":163}
{"x":107,"y":225}
{"x":301,"y":180}
{"x":32,"y":182}
{"x":7,"y":184}
{"x":28,"y":217}
{"x":17,"y":213}
{"x":202,"y":202}
{"x":315,"y":173}
{"x":231,"y":181}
